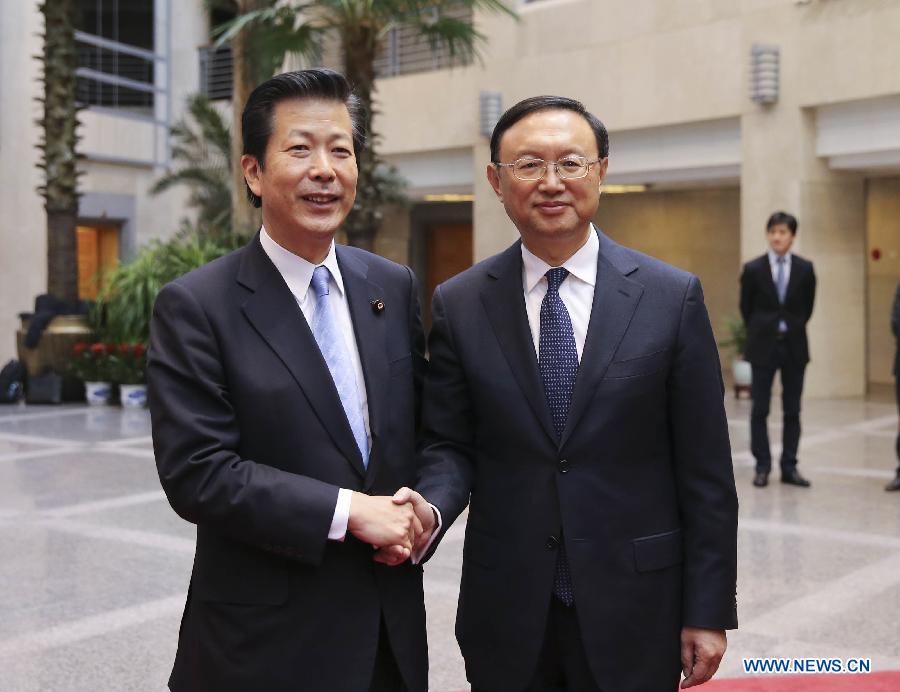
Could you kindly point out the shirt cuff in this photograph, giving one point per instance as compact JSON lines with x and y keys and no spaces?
{"x":341,"y":518}
{"x":417,"y":555}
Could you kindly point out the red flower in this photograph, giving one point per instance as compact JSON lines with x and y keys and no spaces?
{"x":79,"y":348}
{"x":98,"y":349}
{"x":124,"y":348}
{"x":139,"y":350}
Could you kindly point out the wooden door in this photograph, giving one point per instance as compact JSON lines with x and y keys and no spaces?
{"x":449,"y":253}
{"x":98,"y":253}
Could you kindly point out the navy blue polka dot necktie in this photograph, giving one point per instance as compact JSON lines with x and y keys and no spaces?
{"x":558,"y":362}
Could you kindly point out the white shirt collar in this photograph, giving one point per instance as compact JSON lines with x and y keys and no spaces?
{"x":297,"y":272}
{"x":582,"y":265}
{"x":773,"y":257}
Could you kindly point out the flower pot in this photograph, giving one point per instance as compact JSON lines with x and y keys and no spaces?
{"x":54,"y":350}
{"x":97,"y":393}
{"x":742,"y":372}
{"x":133,"y":395}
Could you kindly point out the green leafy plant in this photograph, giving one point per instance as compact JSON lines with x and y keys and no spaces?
{"x":737,"y":335}
{"x":124,"y":307}
{"x":202,"y":150}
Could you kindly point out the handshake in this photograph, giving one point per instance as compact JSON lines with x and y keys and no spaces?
{"x":397,"y":527}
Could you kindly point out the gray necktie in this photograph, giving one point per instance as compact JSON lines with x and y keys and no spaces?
{"x":780,"y":283}
{"x":781,"y":287}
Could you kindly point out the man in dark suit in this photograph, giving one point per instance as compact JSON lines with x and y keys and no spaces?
{"x":778,"y":290}
{"x":895,"y":327}
{"x":574,"y":401}
{"x":284,"y":384}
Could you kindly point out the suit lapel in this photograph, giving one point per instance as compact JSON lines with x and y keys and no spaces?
{"x":504,"y":302}
{"x":274,"y":313}
{"x":370,"y":329}
{"x":615,"y":300}
{"x":765,"y":270}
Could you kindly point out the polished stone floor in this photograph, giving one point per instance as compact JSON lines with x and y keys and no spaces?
{"x":94,"y":564}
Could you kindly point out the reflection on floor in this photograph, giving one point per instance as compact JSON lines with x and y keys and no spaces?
{"x":94,"y":564}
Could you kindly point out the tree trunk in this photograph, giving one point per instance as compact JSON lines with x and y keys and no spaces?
{"x":245,"y":218}
{"x":59,"y":124}
{"x":360,"y":48}
{"x":62,"y":256}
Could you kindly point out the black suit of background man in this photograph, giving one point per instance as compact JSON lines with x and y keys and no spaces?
{"x":776,"y":341}
{"x":895,"y":327}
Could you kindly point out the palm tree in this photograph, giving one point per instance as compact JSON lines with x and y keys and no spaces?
{"x":204,"y":152}
{"x":58,"y":147}
{"x":360,"y":28}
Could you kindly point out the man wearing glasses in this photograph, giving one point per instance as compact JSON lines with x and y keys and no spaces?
{"x":574,"y":402}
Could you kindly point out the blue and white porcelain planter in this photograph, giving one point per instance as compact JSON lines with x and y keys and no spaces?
{"x":133,"y":395}
{"x":97,"y":393}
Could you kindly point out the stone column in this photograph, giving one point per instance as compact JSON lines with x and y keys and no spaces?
{"x":780,"y":171}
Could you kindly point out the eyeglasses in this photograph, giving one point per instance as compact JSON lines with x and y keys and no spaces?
{"x":569,"y":168}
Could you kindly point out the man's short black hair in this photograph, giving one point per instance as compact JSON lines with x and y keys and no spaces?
{"x":543,"y":103}
{"x":788,"y":220}
{"x":321,"y":83}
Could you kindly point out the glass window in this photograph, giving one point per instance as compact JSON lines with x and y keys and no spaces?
{"x":114,"y":54}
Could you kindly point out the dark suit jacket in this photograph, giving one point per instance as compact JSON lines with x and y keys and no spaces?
{"x":895,"y":328}
{"x":762,"y":312}
{"x":252,"y":445}
{"x":640,"y":486}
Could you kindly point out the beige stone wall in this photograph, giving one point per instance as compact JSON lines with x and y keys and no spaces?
{"x":695,"y":230}
{"x":882,"y":233}
{"x":392,"y":240}
{"x":23,"y":264}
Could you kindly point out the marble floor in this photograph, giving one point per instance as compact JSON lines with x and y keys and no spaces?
{"x":94,"y":565}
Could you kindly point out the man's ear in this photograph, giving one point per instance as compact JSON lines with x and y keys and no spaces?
{"x":251,"y":169}
{"x":493,"y":176}
{"x":602,"y":165}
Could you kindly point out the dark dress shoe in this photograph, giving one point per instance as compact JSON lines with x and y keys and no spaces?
{"x":761,"y":480}
{"x":793,"y":477}
{"x":894,"y":484}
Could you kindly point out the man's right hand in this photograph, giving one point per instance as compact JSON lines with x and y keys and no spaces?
{"x":381,"y":522}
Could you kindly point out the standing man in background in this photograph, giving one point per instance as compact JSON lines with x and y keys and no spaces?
{"x":895,"y":327}
{"x":778,"y":290}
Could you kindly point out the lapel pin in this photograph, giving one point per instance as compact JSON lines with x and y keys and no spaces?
{"x":377,"y":305}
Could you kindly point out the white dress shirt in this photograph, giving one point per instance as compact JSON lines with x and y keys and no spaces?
{"x":297,"y":274}
{"x":576,"y":292}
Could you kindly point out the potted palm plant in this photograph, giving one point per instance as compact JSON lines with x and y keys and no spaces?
{"x":741,"y":371}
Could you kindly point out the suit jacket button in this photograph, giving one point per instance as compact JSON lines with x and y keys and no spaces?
{"x":552,"y":543}
{"x":564,"y":466}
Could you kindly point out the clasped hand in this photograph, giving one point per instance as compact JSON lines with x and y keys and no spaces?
{"x":396,"y":527}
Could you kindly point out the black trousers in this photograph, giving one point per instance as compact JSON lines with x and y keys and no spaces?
{"x":897,"y":395}
{"x":386,"y":677}
{"x":563,"y":665}
{"x":791,"y":388}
